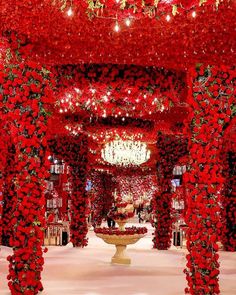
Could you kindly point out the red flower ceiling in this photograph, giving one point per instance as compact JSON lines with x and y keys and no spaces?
{"x":178,"y":42}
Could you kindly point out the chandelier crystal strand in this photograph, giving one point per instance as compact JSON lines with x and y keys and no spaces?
{"x":125,"y":152}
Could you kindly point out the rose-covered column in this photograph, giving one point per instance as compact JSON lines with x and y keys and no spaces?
{"x":228,"y":236}
{"x":212,"y":100}
{"x":8,"y":174}
{"x":4,"y":140}
{"x":25,"y":91}
{"x":170,"y":148}
{"x":79,"y":200}
{"x":73,"y":150}
{"x":103,"y":186}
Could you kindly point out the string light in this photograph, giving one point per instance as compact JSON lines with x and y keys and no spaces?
{"x":127,"y":22}
{"x":77,"y":90}
{"x":194,"y":14}
{"x":70,"y":12}
{"x":168,"y":17}
{"x":116,"y":28}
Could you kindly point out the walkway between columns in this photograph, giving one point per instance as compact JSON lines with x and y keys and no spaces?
{"x":75,"y":271}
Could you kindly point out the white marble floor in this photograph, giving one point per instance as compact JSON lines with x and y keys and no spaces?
{"x":71,"y":271}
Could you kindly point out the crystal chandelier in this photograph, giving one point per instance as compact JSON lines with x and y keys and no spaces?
{"x":125,"y":152}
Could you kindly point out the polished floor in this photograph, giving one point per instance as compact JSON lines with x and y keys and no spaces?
{"x":88,"y":271}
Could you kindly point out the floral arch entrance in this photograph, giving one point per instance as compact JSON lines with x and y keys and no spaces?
{"x":72,"y":110}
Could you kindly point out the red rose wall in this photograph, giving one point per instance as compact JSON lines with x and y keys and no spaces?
{"x":70,"y":117}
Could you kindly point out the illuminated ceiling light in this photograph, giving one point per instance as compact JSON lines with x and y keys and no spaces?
{"x":129,"y":91}
{"x":105,"y":98}
{"x":117,"y":27}
{"x":61,"y":111}
{"x":77,"y":90}
{"x":194,"y":14}
{"x":125,"y":152}
{"x":62,"y":100}
{"x":168,"y":17}
{"x":127,"y":22}
{"x":70,"y":12}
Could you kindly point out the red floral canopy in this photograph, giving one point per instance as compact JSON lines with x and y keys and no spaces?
{"x":176,"y":35}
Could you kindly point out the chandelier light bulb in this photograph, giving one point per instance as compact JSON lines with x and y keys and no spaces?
{"x":70,"y":12}
{"x":194,"y":14}
{"x":117,"y":28}
{"x":168,"y":17}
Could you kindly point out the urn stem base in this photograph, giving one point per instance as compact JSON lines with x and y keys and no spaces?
{"x":120,"y":256}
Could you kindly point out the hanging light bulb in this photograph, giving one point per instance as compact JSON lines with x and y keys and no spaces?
{"x":116,"y":28}
{"x":168,"y":17}
{"x":194,"y":14}
{"x":127,"y":22}
{"x":70,"y":12}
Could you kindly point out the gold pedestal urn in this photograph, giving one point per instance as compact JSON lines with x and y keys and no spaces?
{"x":121,"y":237}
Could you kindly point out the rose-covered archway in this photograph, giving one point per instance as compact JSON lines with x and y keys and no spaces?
{"x":26,"y":88}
